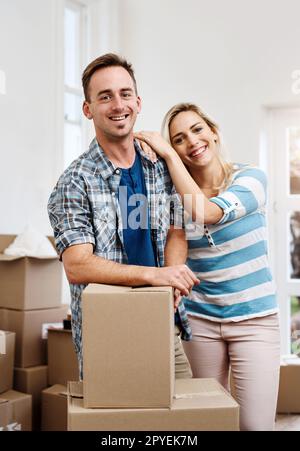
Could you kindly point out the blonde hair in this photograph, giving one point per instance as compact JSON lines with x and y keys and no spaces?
{"x":227,"y":167}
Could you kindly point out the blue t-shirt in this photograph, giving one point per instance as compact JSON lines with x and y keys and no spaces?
{"x":135,"y":216}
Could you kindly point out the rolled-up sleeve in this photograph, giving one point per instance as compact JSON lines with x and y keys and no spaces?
{"x":176,"y":210}
{"x":246,"y":194}
{"x":70,"y":215}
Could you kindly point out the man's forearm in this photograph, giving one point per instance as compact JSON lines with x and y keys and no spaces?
{"x":176,"y":247}
{"x":83,"y":267}
{"x":89,"y":268}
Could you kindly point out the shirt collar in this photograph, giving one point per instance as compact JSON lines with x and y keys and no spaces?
{"x":105,"y":167}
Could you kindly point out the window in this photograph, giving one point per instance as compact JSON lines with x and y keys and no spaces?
{"x":75,"y":32}
{"x":285,"y":126}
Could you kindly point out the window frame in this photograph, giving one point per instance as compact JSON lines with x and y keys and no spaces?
{"x":281,"y":205}
{"x":82,"y":7}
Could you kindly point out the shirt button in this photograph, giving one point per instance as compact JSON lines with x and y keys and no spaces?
{"x":117,"y":171}
{"x":113,"y":194}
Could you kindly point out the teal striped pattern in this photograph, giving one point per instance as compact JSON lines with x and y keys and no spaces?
{"x":231,"y":259}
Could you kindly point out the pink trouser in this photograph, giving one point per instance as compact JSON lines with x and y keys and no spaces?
{"x":252,"y":349}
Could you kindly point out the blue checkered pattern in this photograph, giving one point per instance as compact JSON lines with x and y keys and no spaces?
{"x":84,"y":208}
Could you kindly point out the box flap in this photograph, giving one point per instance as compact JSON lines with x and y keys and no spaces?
{"x":96,"y":288}
{"x":52,"y":329}
{"x":7,"y":258}
{"x":75,"y":389}
{"x":6,"y":240}
{"x":13,"y":395}
{"x":57,"y":389}
{"x":151,"y":289}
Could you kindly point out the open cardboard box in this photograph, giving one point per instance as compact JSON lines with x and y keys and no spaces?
{"x":28,"y":283}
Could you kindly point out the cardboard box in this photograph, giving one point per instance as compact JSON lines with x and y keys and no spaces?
{"x":15,"y":411}
{"x":7,"y":357}
{"x":199,"y":405}
{"x":28,"y":283}
{"x":31,"y":349}
{"x":289,"y":385}
{"x":32,"y":381}
{"x":62,"y":358}
{"x":54,"y":408}
{"x":128,"y":346}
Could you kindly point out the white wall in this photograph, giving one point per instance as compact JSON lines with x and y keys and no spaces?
{"x":31,"y":112}
{"x":231,"y":57}
{"x":27,"y":112}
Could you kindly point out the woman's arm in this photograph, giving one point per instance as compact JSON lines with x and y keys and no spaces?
{"x":195,"y":203}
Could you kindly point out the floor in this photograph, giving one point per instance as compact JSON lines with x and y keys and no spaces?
{"x":287,"y":422}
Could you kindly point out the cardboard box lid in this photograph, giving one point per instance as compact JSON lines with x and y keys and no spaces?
{"x":6,"y":240}
{"x":32,"y":369}
{"x":59,"y":330}
{"x":189,"y":394}
{"x":17,"y":412}
{"x":12,"y":395}
{"x":95,"y":288}
{"x":56,"y":389}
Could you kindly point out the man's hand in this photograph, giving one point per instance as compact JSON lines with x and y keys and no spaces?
{"x":177,"y":299}
{"x":179,"y":276}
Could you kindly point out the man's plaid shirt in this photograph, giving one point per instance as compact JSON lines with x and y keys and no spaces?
{"x":84,"y":208}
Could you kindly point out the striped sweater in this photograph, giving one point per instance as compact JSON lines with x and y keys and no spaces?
{"x":230,"y":258}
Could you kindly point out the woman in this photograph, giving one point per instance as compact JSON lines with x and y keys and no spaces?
{"x":233,"y":311}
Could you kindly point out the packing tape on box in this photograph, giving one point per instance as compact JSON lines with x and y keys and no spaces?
{"x":197,"y":395}
{"x":2,"y":342}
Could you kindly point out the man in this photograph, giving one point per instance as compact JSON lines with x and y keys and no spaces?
{"x":90,"y":208}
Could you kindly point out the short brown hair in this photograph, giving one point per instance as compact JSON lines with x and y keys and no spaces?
{"x":107,"y":60}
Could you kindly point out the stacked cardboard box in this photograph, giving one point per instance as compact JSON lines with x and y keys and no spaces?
{"x":62,"y":367}
{"x":30,"y":300}
{"x":30,"y":297}
{"x":15,"y":411}
{"x":28,"y":283}
{"x":7,"y":355}
{"x":32,"y":381}
{"x":62,"y":359}
{"x":289,"y":391}
{"x":15,"y":408}
{"x":31,"y":332}
{"x":128,"y":368}
{"x":54,"y":408}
